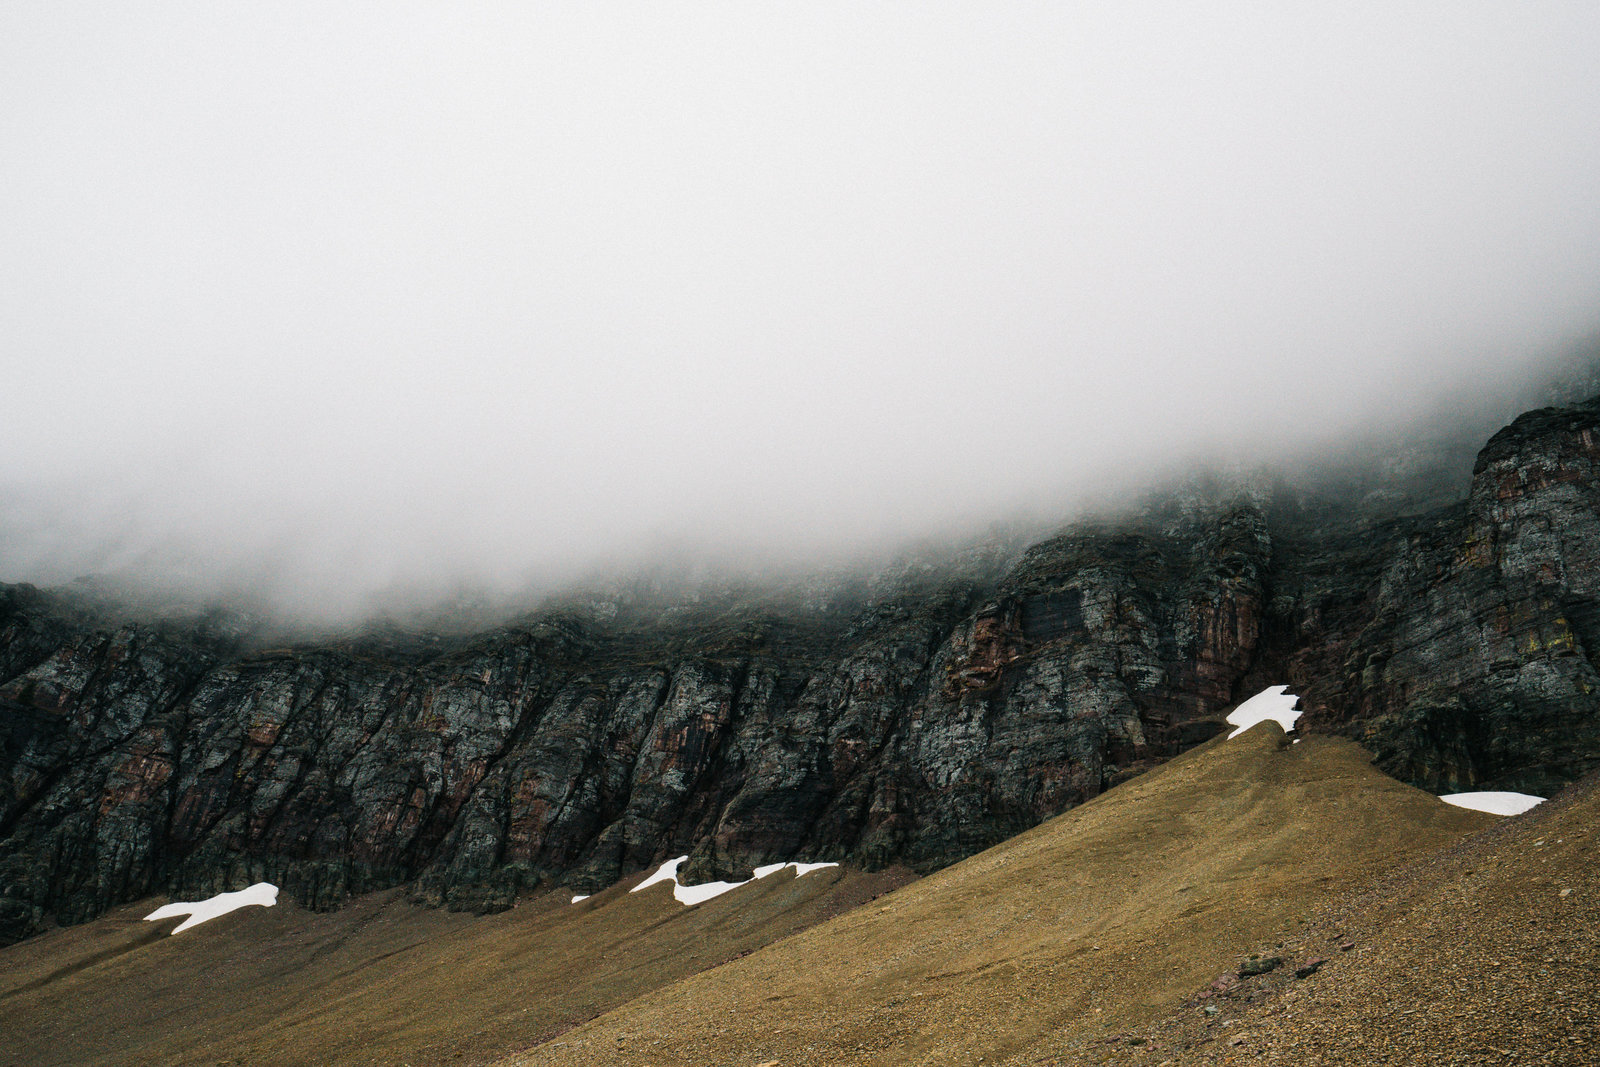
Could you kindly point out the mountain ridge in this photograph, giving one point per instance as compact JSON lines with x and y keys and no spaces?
{"x":938,"y":716}
{"x":1059,"y":938}
{"x":1068,"y":934}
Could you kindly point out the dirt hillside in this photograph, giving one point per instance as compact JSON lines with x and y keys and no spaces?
{"x":381,"y":982}
{"x":1112,"y":934}
{"x":1043,"y":949}
{"x":1485,"y":953}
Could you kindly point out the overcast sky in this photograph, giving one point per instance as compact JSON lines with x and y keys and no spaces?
{"x":352,"y":295}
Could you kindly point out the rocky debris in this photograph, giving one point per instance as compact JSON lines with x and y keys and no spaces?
{"x":1310,"y":967}
{"x":1464,"y":957}
{"x":912,"y":718}
{"x":1259,"y":965}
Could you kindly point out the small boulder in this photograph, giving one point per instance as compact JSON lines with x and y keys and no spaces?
{"x":1260,"y":966}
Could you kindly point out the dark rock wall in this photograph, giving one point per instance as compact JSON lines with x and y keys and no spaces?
{"x":1477,"y":666}
{"x":917,"y":726}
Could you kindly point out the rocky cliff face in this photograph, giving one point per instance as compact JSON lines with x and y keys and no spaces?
{"x":1478,"y":662}
{"x":915,"y":721}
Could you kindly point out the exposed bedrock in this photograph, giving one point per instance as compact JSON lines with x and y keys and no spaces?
{"x":916,"y":719}
{"x":1478,"y":665}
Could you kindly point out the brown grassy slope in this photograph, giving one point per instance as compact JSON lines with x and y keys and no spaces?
{"x":1486,"y":953}
{"x":1086,"y":925}
{"x":381,"y":981}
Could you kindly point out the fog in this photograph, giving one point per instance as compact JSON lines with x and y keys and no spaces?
{"x":324,"y":300}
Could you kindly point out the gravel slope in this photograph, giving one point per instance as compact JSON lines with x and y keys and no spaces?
{"x":1485,"y":953}
{"x":1112,"y":934}
{"x":381,"y":982}
{"x":1043,"y":948}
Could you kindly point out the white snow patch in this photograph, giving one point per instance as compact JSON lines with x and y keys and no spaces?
{"x":263,"y":894}
{"x":1276,"y":704}
{"x":803,"y":869}
{"x":800,"y":869}
{"x":580,"y":896}
{"x":1494,"y":803}
{"x":698,"y":894}
{"x":667,"y":872}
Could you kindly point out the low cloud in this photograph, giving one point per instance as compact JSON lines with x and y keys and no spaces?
{"x":327,"y":303}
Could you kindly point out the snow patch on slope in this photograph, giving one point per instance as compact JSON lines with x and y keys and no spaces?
{"x":698,"y":894}
{"x":262,"y":894}
{"x":1276,"y":704}
{"x":1494,"y":803}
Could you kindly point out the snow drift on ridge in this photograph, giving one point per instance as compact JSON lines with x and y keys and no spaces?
{"x":263,"y":894}
{"x":1275,"y":703}
{"x":697,"y":894}
{"x":1494,"y":803}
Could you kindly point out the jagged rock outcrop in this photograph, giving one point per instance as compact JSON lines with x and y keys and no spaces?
{"x":915,"y":720}
{"x":1478,"y":664}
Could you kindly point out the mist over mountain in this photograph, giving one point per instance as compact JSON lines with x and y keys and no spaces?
{"x":339,"y":311}
{"x":866,"y":465}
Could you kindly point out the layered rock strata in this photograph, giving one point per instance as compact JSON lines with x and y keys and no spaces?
{"x":915,"y":721}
